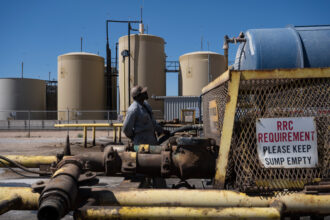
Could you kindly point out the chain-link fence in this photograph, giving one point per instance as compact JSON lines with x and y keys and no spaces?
{"x":45,"y":120}
{"x":269,"y":98}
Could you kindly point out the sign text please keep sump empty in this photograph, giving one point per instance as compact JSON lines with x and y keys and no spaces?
{"x":287,"y":142}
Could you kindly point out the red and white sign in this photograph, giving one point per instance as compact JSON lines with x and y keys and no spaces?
{"x":287,"y":142}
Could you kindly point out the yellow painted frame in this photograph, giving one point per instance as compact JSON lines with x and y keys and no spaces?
{"x":234,"y":78}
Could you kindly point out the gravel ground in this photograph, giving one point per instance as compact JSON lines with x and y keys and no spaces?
{"x":50,"y":142}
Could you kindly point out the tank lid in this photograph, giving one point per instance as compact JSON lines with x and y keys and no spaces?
{"x":143,"y":36}
{"x":19,"y":78}
{"x":200,"y":53}
{"x":80,"y":53}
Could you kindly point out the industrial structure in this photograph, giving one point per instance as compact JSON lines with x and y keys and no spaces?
{"x":147,"y":60}
{"x":22,"y":94}
{"x":198,"y":69}
{"x":81,"y":86}
{"x":264,"y":152}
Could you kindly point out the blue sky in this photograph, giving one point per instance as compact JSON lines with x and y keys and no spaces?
{"x":37,"y":31}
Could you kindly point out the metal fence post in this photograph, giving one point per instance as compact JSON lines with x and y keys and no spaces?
{"x":108,"y":123}
{"x":29,"y":116}
{"x":67,"y":131}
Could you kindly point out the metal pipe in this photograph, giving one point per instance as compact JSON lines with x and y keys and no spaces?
{"x":227,"y":40}
{"x":85,"y":136}
{"x":293,"y":203}
{"x":59,"y":195}
{"x":225,"y":50}
{"x":29,"y":161}
{"x":175,"y":213}
{"x":108,"y":69}
{"x":93,"y":128}
{"x":28,"y":199}
{"x":129,"y":63}
{"x":8,"y":204}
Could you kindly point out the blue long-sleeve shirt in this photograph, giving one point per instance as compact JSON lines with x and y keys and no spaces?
{"x":139,"y":125}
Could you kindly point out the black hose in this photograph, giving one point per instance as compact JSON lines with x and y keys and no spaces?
{"x":22,"y":167}
{"x":15,"y":171}
{"x":180,"y":129}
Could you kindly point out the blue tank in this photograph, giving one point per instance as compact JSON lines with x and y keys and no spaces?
{"x":290,"y":47}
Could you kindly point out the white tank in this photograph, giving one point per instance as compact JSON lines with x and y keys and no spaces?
{"x":22,"y":95}
{"x":81,"y":86}
{"x":198,"y":69}
{"x":147,"y":69}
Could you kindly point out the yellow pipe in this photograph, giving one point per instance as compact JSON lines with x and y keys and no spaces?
{"x":29,"y":161}
{"x":93,"y":135}
{"x":293,"y":203}
{"x":175,"y":213}
{"x":117,"y":125}
{"x":28,"y":199}
{"x":82,"y":125}
{"x":85,"y":136}
{"x":114,"y":136}
{"x":9,"y":203}
{"x":119,"y":133}
{"x":297,"y":202}
{"x":89,"y":125}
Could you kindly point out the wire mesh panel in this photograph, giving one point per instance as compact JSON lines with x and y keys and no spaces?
{"x":271,"y":98}
{"x":213,"y":111}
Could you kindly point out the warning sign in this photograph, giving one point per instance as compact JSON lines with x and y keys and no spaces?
{"x":287,"y":142}
{"x":213,"y":114}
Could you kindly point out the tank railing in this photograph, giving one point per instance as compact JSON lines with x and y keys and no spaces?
{"x":172,"y":66}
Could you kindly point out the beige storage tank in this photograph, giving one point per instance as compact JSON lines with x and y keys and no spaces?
{"x":22,"y":94}
{"x":81,"y":86}
{"x":198,"y":69}
{"x":147,"y":69}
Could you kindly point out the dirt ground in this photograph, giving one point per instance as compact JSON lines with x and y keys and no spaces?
{"x":50,"y":142}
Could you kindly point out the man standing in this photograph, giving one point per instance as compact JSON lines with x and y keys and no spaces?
{"x":140,"y":125}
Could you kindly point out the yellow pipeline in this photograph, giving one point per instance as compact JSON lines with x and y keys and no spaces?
{"x":176,"y":212}
{"x":29,"y":161}
{"x":82,"y":125}
{"x":9,"y":203}
{"x":28,"y":199}
{"x":293,"y":203}
{"x":296,"y":202}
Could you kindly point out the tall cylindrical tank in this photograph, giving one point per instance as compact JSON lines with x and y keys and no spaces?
{"x":81,"y":86}
{"x":147,"y":68}
{"x":290,"y":47}
{"x":22,"y":94}
{"x":198,"y":69}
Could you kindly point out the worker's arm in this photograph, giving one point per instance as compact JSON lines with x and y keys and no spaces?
{"x":128,"y":126}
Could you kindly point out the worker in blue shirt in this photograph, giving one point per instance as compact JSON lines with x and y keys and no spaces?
{"x":140,"y":125}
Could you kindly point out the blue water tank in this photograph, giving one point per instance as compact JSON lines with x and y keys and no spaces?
{"x":290,"y":47}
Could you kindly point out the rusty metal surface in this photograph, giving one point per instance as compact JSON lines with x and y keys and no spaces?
{"x":9,"y":203}
{"x":293,"y":96}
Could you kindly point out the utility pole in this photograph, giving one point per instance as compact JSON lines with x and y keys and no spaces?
{"x":81,"y":40}
{"x":22,"y":69}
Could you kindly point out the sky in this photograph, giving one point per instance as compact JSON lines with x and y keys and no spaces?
{"x":38,"y":31}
